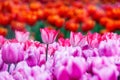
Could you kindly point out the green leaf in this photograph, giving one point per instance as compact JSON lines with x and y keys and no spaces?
{"x":65,"y":32}
{"x":36,"y":30}
{"x":97,"y":28}
{"x":10,"y":33}
{"x":117,"y":31}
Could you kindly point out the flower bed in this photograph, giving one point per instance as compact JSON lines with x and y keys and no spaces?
{"x":71,"y":16}
{"x":80,"y":57}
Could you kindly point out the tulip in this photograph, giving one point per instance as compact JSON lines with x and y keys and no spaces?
{"x":93,"y":39}
{"x":21,"y":36}
{"x":76,"y":39}
{"x":48,"y":37}
{"x":109,"y":48}
{"x":23,"y":69}
{"x":3,"y":66}
{"x":32,"y":56}
{"x":89,"y":53}
{"x":12,"y":52}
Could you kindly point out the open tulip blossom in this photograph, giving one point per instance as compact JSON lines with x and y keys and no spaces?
{"x":82,"y":57}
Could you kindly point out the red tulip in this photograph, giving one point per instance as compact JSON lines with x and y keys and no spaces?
{"x":3,"y":31}
{"x":71,"y":25}
{"x":88,"y":25}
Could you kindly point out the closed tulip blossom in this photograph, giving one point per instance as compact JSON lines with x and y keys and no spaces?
{"x":77,"y":39}
{"x":22,"y":71}
{"x":32,"y":56}
{"x":12,"y":52}
{"x":48,"y":36}
{"x":3,"y":66}
{"x":21,"y":36}
{"x":93,"y":39}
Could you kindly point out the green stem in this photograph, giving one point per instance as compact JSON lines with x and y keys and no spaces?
{"x":47,"y":51}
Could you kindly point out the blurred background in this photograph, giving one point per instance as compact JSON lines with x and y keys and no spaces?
{"x":64,"y":15}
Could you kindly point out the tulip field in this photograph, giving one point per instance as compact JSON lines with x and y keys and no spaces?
{"x":59,"y":40}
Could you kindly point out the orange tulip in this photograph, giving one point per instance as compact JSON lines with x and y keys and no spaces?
{"x":110,"y":25}
{"x":3,"y":31}
{"x":71,"y":25}
{"x":15,"y":25}
{"x":88,"y":25}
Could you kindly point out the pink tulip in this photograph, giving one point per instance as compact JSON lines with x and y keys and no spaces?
{"x":90,"y":53}
{"x":102,"y":67}
{"x":22,"y":36}
{"x":3,"y":66}
{"x":12,"y":52}
{"x":108,"y":36}
{"x":48,"y":35}
{"x":32,"y":56}
{"x":23,"y":69}
{"x":42,"y":60}
{"x":93,"y":39}
{"x":76,"y":39}
{"x":109,"y":48}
